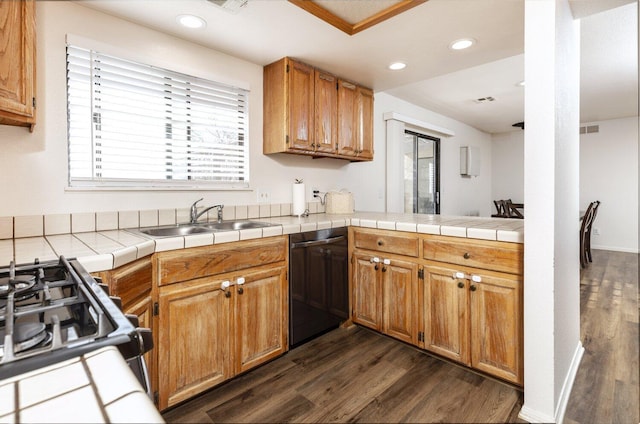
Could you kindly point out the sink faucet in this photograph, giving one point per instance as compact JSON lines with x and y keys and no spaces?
{"x":194,"y":214}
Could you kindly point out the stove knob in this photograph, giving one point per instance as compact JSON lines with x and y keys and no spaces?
{"x":133,"y":319}
{"x":117,"y":301}
{"x":145,"y":337}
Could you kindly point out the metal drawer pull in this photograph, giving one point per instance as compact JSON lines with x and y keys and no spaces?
{"x":466,"y":255}
{"x":225,"y":288}
{"x":239,"y":283}
{"x":385,"y":262}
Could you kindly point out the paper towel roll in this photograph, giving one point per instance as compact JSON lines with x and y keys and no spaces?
{"x":298,"y":204}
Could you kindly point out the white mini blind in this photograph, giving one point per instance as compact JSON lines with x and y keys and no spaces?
{"x":135,"y":125}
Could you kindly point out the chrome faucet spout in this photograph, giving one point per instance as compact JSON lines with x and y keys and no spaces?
{"x":194,"y":214}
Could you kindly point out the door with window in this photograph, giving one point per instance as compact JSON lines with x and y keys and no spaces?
{"x":421,"y":161}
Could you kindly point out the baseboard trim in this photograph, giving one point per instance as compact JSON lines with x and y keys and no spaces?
{"x":563,"y":400}
{"x":533,"y":416}
{"x":615,"y":249}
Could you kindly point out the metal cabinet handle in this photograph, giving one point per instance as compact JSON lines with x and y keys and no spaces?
{"x":239,"y":283}
{"x":466,"y":255}
{"x":460,"y":284}
{"x":225,"y":288}
{"x":473,"y":288}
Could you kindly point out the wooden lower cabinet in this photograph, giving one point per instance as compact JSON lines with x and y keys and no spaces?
{"x":445,"y":312}
{"x":261,"y":318}
{"x":474,"y":317}
{"x":194,"y":343}
{"x":132,"y":284}
{"x":497,"y":327}
{"x":208,"y":334}
{"x":428,"y":291}
{"x":366,"y":298}
{"x":384,"y":295}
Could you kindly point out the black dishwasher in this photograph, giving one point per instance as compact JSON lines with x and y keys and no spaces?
{"x":318,"y":283}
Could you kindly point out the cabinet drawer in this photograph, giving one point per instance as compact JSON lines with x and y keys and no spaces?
{"x":491,"y":255}
{"x":387,"y":241}
{"x":183,"y":265}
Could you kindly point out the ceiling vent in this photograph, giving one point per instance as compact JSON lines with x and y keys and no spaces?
{"x":485,"y":99}
{"x":588,"y":129}
{"x":232,"y":6}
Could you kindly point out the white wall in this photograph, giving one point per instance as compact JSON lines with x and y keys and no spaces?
{"x":459,"y":196}
{"x":608,"y":172}
{"x":33,"y":166}
{"x":507,"y":172}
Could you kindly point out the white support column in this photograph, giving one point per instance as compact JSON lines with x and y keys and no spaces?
{"x":552,"y":348}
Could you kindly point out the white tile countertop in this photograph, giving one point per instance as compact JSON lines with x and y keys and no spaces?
{"x":97,"y":387}
{"x":104,"y":250}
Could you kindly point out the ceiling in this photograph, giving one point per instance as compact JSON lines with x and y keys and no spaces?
{"x":437,"y":78}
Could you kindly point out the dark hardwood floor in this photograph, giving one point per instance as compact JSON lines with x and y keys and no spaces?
{"x":606,"y":389}
{"x":355,"y":375}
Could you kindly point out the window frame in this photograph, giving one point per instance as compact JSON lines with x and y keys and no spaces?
{"x":97,"y":183}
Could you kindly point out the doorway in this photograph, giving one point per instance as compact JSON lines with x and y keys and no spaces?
{"x":421,"y":164}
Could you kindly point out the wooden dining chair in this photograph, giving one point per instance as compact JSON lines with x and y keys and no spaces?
{"x":511,"y":210}
{"x":585,"y":228}
{"x":587,"y":244}
{"x":500,"y":209}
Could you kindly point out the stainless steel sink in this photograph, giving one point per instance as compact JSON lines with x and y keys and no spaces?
{"x":235,"y":225}
{"x":201,"y":228}
{"x":175,"y":230}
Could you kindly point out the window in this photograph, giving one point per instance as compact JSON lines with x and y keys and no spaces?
{"x":135,"y":125}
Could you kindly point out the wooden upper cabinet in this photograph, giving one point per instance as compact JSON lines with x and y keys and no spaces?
{"x":347,"y":118}
{"x":17,"y":63}
{"x":311,"y":112}
{"x":326,"y":101}
{"x":365,"y":123}
{"x":301,"y":105}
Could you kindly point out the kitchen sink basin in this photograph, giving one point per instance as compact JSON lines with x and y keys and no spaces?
{"x":201,"y":228}
{"x":235,"y":225}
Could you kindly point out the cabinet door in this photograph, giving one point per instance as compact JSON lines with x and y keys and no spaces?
{"x":326,"y":101}
{"x":366,"y":299}
{"x":365,"y":123}
{"x":301,"y":106}
{"x":445,"y":312}
{"x":497,"y":327}
{"x":17,"y":62}
{"x":347,"y":118}
{"x":194,"y":339}
{"x":261,"y":317}
{"x":400,"y":300}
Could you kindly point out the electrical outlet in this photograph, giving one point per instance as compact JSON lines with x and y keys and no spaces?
{"x":596,"y":231}
{"x":263,"y":195}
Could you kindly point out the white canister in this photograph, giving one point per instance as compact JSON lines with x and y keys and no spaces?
{"x":298,"y":203}
{"x":339,"y":202}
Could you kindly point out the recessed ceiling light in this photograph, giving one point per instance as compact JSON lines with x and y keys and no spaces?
{"x":191,"y":21}
{"x":396,"y":66}
{"x":463,"y":43}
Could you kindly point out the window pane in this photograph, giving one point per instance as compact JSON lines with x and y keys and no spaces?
{"x":134,"y":124}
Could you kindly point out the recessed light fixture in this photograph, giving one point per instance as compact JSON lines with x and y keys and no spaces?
{"x":461,"y":44}
{"x":191,"y":21}
{"x":396,"y":66}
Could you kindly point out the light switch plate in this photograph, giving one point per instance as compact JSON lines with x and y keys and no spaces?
{"x":263,"y":196}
